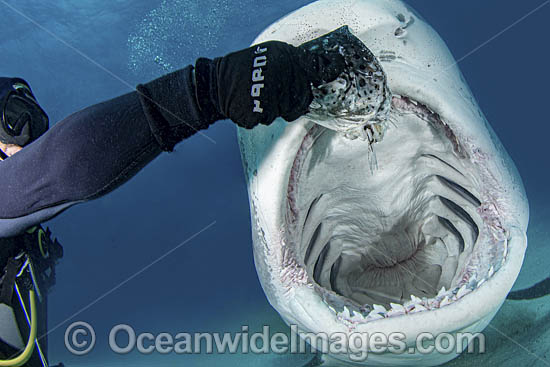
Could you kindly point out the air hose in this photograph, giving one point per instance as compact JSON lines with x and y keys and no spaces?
{"x":29,"y":348}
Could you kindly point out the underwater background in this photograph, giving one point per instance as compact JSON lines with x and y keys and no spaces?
{"x":171,"y":250}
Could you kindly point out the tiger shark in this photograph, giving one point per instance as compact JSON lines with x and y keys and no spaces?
{"x":421,"y":230}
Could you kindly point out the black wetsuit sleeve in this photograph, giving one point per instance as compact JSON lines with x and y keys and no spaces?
{"x":93,"y":151}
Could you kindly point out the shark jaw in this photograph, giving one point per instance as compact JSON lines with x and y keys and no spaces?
{"x":393,"y":227}
{"x":421,"y":229}
{"x":397,"y":235}
{"x":414,"y":231}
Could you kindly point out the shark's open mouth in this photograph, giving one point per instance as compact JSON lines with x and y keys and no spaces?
{"x":409,"y":229}
{"x":401,"y":213}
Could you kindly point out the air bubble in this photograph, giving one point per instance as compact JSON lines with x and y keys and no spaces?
{"x":157,"y":41}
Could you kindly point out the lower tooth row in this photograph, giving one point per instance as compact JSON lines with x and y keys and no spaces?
{"x":415,"y":305}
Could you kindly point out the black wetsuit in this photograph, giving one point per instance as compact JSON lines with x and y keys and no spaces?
{"x":93,"y":151}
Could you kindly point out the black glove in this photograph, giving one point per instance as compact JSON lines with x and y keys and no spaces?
{"x":257,"y":85}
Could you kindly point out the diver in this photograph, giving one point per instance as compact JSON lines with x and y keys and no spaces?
{"x":93,"y":151}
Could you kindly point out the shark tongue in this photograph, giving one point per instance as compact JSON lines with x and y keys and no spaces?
{"x":358,"y":102}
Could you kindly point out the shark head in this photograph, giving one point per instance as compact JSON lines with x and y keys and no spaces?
{"x":422,"y":230}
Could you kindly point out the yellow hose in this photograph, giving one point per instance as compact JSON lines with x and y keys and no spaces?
{"x":29,"y":349}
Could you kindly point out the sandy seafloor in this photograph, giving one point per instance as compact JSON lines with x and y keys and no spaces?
{"x":77,"y":53}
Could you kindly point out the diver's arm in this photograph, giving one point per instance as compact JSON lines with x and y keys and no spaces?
{"x":93,"y":151}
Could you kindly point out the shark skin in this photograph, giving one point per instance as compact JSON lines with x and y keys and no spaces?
{"x":284,"y":174}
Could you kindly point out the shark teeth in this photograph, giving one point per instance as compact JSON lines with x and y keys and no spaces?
{"x":415,"y":299}
{"x":379,"y":308}
{"x":378,"y":312}
{"x":396,"y":309}
{"x":374,"y":316}
{"x":446,"y":301}
{"x":418,"y":308}
{"x":356,"y":315}
{"x":358,"y":318}
{"x":346,"y":313}
{"x":415,"y":304}
{"x":462,"y":291}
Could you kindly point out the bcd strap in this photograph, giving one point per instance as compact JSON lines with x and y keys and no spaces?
{"x":43,"y":253}
{"x":9,"y":280}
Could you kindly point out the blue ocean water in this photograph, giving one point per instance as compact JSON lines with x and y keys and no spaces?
{"x":77,"y":53}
